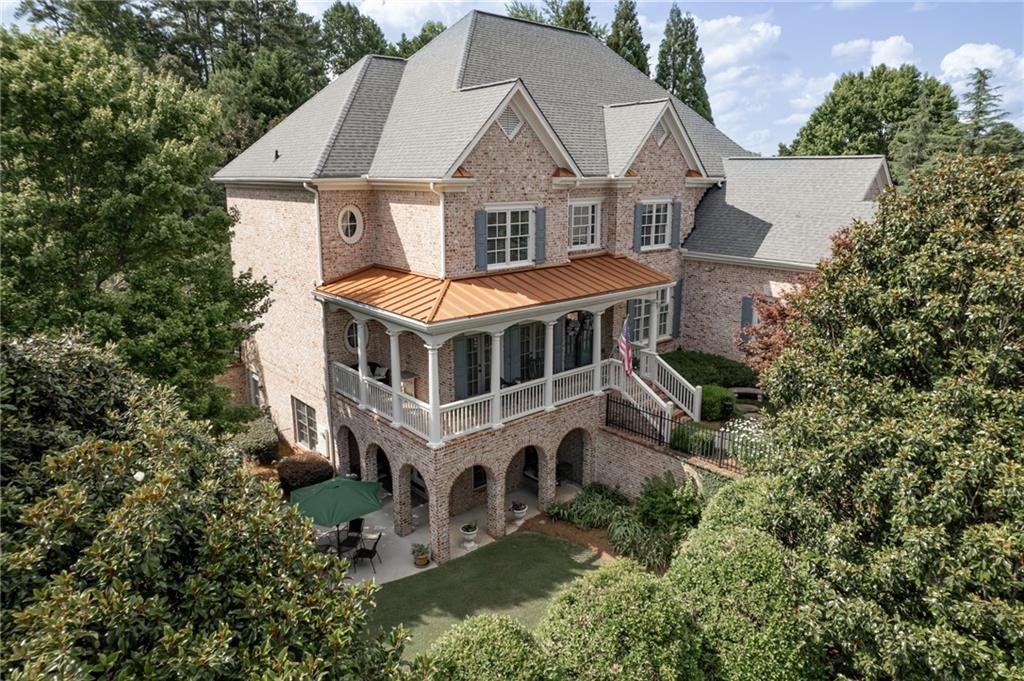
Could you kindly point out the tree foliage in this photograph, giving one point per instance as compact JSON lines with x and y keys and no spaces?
{"x":902,"y":416}
{"x":681,"y":63}
{"x":488,"y":647}
{"x":981,"y":110}
{"x":406,"y":47}
{"x":134,"y":546}
{"x":574,"y":14}
{"x":107,"y":226}
{"x":762,"y":343}
{"x":626,"y":38}
{"x":348,"y":36}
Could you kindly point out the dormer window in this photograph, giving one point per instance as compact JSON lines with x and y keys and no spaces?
{"x":510,"y":122}
{"x":660,"y":133}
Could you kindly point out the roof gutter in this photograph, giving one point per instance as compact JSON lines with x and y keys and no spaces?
{"x":704,"y":181}
{"x":747,"y":262}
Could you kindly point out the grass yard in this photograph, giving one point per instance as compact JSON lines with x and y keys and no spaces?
{"x":515,"y":576}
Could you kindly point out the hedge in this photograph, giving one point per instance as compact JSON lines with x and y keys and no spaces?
{"x":702,"y":368}
{"x":619,"y":622}
{"x":488,"y":647}
{"x":713,"y":400}
{"x":748,"y":595}
{"x":303,"y":470}
{"x":257,"y":442}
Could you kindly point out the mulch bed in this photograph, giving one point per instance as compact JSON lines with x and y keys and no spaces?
{"x":596,"y":540}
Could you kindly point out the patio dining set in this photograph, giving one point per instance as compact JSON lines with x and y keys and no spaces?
{"x":341,"y":501}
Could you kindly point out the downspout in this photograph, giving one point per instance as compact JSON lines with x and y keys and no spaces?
{"x":332,"y":452}
{"x":440,"y":194}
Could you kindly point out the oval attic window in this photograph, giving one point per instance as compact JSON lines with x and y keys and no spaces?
{"x":350,"y":224}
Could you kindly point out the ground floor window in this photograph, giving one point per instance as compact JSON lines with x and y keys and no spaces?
{"x":305,"y":424}
{"x":644,"y":310}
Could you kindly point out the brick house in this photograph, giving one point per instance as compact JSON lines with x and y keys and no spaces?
{"x":455,"y":241}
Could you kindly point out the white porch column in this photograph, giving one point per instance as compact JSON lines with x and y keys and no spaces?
{"x":396,"y":378}
{"x":364,"y":371}
{"x":596,"y":344}
{"x":549,"y":363}
{"x":652,"y":325}
{"x":496,"y":360}
{"x":434,"y":383}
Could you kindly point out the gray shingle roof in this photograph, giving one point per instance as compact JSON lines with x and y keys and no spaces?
{"x":414,"y":118}
{"x":785,"y":208}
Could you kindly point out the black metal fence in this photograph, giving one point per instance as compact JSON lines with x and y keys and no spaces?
{"x":725,"y":448}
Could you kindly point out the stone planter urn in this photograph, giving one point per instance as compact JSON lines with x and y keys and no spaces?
{"x":468,"y":531}
{"x":420,"y":555}
{"x":519,"y":510}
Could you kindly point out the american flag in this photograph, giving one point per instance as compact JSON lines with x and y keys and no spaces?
{"x":626,"y":346}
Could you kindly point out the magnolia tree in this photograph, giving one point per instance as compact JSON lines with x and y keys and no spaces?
{"x":761,"y":343}
{"x":901,"y":417}
{"x":134,"y":546}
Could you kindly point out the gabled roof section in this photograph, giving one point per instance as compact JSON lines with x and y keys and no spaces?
{"x":786,"y":209}
{"x":626,"y":127}
{"x":430,"y":300}
{"x":333,"y":134}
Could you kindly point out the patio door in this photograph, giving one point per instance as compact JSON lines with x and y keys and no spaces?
{"x":578,"y":340}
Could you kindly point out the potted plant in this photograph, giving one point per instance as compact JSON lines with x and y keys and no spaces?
{"x":468,"y":532}
{"x":519,"y":510}
{"x":420,"y":555}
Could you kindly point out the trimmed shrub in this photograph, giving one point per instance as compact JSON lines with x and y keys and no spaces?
{"x":257,"y":442}
{"x":632,"y":538}
{"x":702,"y":368}
{"x":594,"y":506}
{"x":619,"y":622}
{"x":747,"y":593}
{"x":713,"y":400}
{"x":741,"y":504}
{"x":693,"y":438}
{"x":488,"y":647}
{"x":669,"y":506}
{"x":303,"y":470}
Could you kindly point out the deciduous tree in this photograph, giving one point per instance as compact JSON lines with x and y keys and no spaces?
{"x":107,"y":222}
{"x":349,"y":36}
{"x":406,"y":47}
{"x":681,"y":63}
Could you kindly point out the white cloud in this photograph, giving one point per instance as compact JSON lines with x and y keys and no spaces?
{"x":810,"y":91}
{"x":408,"y":16}
{"x":653,"y":32}
{"x":892,"y":51}
{"x":1006,"y":65}
{"x":731,"y":40}
{"x":798,"y":118}
{"x":921,"y":6}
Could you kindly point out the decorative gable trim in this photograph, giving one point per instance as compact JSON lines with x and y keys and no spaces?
{"x":524,"y":106}
{"x":510,"y":122}
{"x":660,"y":133}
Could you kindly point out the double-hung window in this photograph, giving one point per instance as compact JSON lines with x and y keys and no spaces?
{"x":654,"y":219}
{"x":509,"y":236}
{"x":643,"y":313}
{"x":305,"y":424}
{"x":584,"y":225}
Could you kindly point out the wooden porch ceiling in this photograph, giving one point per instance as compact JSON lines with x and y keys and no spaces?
{"x":429,"y":299}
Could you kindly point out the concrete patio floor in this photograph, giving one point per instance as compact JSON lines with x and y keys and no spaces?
{"x":396,"y":552}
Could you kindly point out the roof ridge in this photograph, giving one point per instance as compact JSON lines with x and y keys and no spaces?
{"x":531,"y":23}
{"x":441,"y":292}
{"x":466,"y":46}
{"x":470,"y":88}
{"x":816,"y":157}
{"x":342,"y":115}
{"x":636,"y":103}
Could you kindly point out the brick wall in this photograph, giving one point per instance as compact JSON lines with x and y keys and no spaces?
{"x":712,"y":300}
{"x":235,"y":379}
{"x":275,"y":237}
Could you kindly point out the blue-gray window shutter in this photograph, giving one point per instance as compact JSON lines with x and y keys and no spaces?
{"x":539,"y":242}
{"x":480,"y":240}
{"x":677,"y":312}
{"x":461,"y":368}
{"x":677,"y":216}
{"x":631,"y":311}
{"x":511,"y":341}
{"x":746,"y":315}
{"x":638,"y":218}
{"x":559,"y":346}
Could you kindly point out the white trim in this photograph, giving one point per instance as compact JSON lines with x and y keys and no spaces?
{"x":679,"y":132}
{"x":358,"y":214}
{"x":519,"y":121}
{"x":574,"y":203}
{"x":658,"y":199}
{"x":596,"y":182}
{"x":518,"y":205}
{"x":668,"y":225}
{"x":531,"y":250}
{"x":763,"y":263}
{"x":703,"y":181}
{"x":532,"y":115}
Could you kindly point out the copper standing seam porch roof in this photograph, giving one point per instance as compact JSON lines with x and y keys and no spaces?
{"x":429,"y":299}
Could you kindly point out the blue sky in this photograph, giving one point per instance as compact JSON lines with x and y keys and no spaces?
{"x":770,"y":64}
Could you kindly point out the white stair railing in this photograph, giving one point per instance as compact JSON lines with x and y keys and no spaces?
{"x":643,"y":396}
{"x":679,"y":390}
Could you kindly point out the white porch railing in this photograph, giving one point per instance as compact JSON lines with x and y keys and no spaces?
{"x":415,"y":415}
{"x":465,"y":416}
{"x":379,"y":398}
{"x":570,"y":385}
{"x":520,"y":400}
{"x":345,"y":380}
{"x":675,"y":386}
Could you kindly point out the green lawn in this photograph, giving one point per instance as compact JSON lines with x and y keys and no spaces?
{"x":515,"y":576}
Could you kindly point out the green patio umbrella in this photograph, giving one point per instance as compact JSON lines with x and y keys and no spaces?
{"x":337,"y":501}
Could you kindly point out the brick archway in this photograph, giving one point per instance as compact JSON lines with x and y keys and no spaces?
{"x":574,"y":458}
{"x":463,"y":493}
{"x":349,"y":457}
{"x":536,"y":464}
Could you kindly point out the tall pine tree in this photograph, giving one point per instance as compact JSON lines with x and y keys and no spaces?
{"x":575,"y":14}
{"x":930,"y":131}
{"x":626,"y":38}
{"x":681,"y":63}
{"x":981,"y":110}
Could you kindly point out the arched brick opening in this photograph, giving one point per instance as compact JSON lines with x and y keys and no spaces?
{"x":477,"y":485}
{"x":409,"y":492}
{"x":531,"y":468}
{"x":349,"y":459}
{"x":572,"y":457}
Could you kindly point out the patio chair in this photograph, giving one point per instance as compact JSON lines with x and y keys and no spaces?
{"x":355,"y":526}
{"x":369,"y":553}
